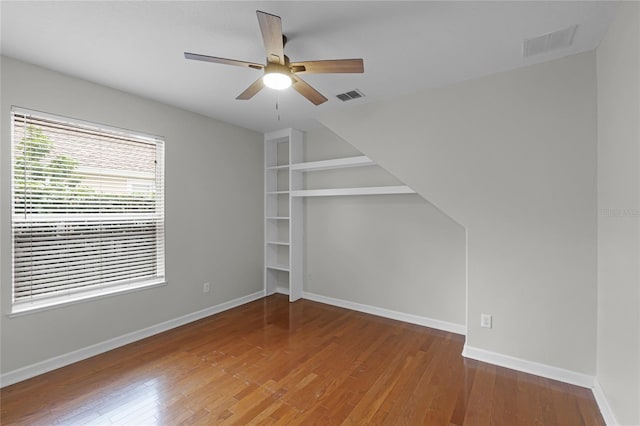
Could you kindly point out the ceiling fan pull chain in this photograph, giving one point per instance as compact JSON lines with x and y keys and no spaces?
{"x":277,"y":101}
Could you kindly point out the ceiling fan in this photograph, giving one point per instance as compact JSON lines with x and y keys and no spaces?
{"x":279,"y":72}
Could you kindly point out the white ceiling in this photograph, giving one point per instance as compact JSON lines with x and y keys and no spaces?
{"x":407,"y":46}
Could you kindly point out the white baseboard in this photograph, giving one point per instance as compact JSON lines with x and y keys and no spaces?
{"x":603,"y":404}
{"x":388,"y":313}
{"x":36,"y":369}
{"x":531,"y":367}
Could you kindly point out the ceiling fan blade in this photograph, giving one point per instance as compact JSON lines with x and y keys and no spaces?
{"x":271,"y":28}
{"x":307,"y":91}
{"x":250,"y":91}
{"x":330,"y":66}
{"x":225,"y":61}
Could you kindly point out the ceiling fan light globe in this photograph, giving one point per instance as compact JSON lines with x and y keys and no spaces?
{"x":277,"y":81}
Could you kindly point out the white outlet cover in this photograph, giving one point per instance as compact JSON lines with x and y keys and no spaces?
{"x":485,"y":320}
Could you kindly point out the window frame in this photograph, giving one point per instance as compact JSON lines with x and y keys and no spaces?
{"x":22,"y":307}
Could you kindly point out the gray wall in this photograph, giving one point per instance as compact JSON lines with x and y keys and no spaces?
{"x":618,"y":61}
{"x":512,"y":157}
{"x":213,"y":215}
{"x":395,"y":252}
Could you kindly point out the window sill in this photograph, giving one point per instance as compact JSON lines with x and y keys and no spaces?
{"x":25,"y":308}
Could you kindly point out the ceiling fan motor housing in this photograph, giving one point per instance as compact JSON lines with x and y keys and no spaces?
{"x":274,"y":67}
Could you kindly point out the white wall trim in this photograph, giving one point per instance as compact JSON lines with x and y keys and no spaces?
{"x":388,"y":313}
{"x":282,"y":290}
{"x":603,"y":404}
{"x":38,"y":368}
{"x":531,"y":367}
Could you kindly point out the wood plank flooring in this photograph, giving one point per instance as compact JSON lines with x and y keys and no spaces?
{"x":272,"y":362}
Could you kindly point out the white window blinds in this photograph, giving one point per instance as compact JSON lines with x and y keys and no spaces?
{"x":87,"y":209}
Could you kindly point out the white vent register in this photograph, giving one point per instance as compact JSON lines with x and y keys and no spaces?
{"x":352,"y":94}
{"x":548,"y":42}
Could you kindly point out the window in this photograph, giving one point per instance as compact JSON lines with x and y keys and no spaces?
{"x":87,"y":210}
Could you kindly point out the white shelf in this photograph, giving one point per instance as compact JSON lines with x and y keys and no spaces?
{"x":369,"y":190}
{"x":279,"y":243}
{"x":337,"y":163}
{"x":284,"y":166}
{"x":277,"y":218}
{"x":284,"y":268}
{"x":277,"y":192}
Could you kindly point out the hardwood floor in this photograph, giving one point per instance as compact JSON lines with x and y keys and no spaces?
{"x":271,"y":362}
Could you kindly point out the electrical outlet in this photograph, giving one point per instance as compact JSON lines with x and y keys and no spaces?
{"x":206,"y":287}
{"x":485,"y":320}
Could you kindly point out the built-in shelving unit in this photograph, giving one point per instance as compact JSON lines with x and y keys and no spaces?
{"x":283,"y":206}
{"x":283,"y":214}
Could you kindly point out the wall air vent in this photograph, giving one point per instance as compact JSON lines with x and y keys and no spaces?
{"x":347,"y":96}
{"x":548,"y":42}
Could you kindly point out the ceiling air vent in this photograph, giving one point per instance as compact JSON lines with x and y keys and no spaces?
{"x":353,"y":94}
{"x":548,"y":42}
